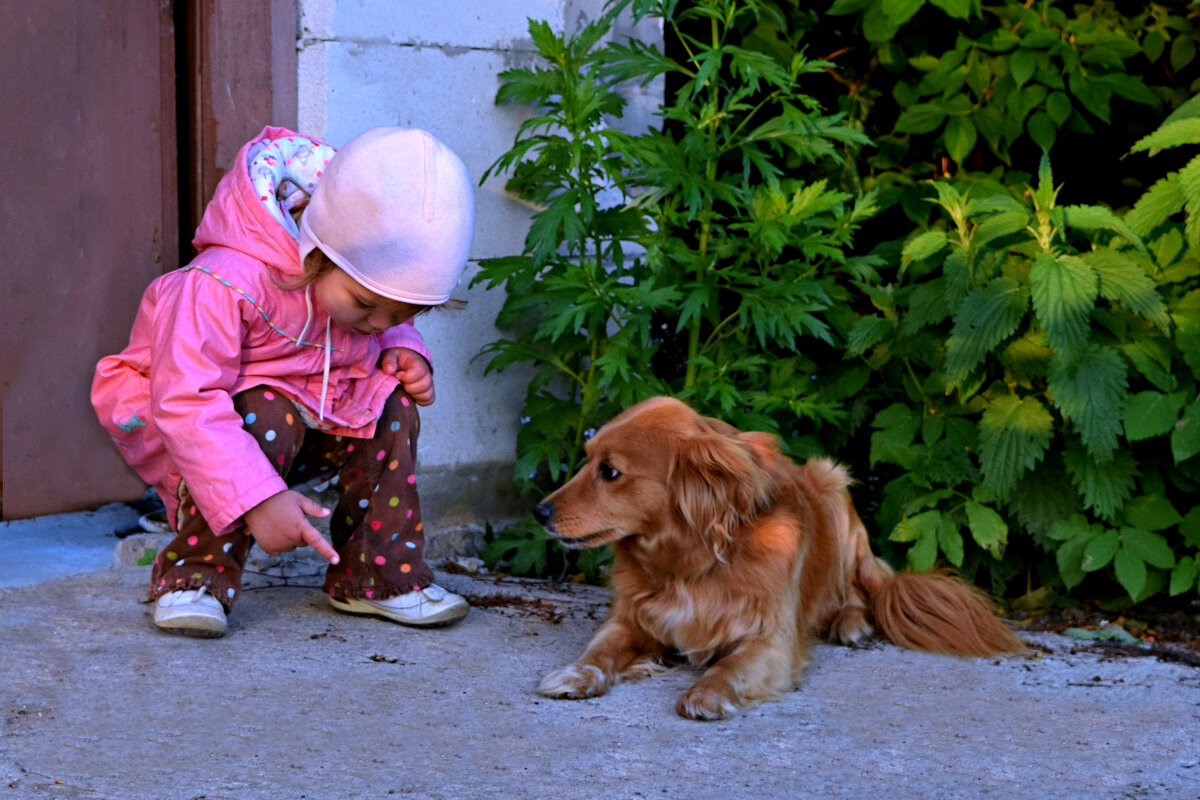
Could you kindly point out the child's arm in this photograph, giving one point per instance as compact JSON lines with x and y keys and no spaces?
{"x":197,"y":352}
{"x":412,"y":370}
{"x":280,"y":523}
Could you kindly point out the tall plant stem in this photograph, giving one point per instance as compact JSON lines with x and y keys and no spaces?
{"x":710,"y":174}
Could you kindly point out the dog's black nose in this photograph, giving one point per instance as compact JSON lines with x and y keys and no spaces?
{"x":543,"y":513}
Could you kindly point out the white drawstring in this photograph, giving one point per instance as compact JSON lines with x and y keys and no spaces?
{"x":328,"y":346}
{"x":308,"y":319}
{"x":325,"y":371}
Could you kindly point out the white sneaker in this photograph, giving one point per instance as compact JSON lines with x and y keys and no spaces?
{"x":190,"y":612}
{"x":426,"y":607}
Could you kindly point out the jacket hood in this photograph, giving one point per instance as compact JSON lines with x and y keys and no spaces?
{"x":272,"y":174}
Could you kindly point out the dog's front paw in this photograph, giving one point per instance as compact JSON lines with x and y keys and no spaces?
{"x":705,"y":704}
{"x":574,"y":683}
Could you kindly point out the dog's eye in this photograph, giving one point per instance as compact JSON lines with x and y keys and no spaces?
{"x":607,"y":472}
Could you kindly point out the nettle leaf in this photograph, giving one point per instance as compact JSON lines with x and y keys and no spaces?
{"x":866,"y":333}
{"x":1124,"y":280}
{"x":985,"y":318}
{"x":1159,"y":203}
{"x":1105,"y":487}
{"x":1064,"y":291}
{"x":1090,"y":392}
{"x":1149,"y":414}
{"x":1090,"y":218}
{"x":1013,"y":436}
{"x":998,"y":225}
{"x":923,"y":246}
{"x":926,"y":306}
{"x":988,"y":528}
{"x":1043,"y":497}
{"x":1172,"y":134}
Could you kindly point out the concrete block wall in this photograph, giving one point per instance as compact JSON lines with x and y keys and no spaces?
{"x":435,"y":64}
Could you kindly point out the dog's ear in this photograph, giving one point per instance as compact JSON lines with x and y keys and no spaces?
{"x":719,"y":483}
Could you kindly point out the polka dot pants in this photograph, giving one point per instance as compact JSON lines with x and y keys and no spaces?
{"x":376,"y":526}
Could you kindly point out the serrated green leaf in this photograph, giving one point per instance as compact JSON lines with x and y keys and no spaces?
{"x":1123,"y":280}
{"x":924,"y":245}
{"x":1043,"y":497}
{"x":1149,"y":414}
{"x":997,"y":226}
{"x":1185,"y":439}
{"x":1171,"y":134}
{"x":1063,"y":291}
{"x":1099,"y":218}
{"x":1100,"y":550}
{"x":1014,"y":433}
{"x":988,"y":528}
{"x":1104,"y":487}
{"x":1148,"y":546}
{"x":866,"y":333}
{"x":985,"y":318}
{"x":1090,"y":392}
{"x":1158,"y":204}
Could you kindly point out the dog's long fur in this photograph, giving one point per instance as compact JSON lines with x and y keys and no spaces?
{"x":731,"y":556}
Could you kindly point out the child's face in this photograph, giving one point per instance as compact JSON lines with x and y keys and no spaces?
{"x":354,"y":307}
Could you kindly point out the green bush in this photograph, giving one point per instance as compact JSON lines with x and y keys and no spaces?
{"x":1013,"y":377}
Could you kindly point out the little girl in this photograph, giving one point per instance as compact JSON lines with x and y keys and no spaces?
{"x":287,"y":351}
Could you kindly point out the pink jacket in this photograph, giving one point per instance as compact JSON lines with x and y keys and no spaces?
{"x":217,"y":327}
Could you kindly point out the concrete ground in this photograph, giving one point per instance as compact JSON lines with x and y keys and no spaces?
{"x":298,"y":701}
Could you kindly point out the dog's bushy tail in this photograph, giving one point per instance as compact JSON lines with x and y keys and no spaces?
{"x":935,"y":612}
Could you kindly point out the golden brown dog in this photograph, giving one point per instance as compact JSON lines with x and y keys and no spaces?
{"x":732,"y":556}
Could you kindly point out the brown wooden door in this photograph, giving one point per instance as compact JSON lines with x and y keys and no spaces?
{"x":90,"y":200}
{"x":88,"y":217}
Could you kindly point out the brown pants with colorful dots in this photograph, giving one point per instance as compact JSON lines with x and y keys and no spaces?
{"x":376,"y":526}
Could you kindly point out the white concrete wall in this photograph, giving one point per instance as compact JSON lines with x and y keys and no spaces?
{"x":434,"y":64}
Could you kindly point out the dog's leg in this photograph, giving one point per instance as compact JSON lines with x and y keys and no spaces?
{"x":617,"y":651}
{"x":756,"y":669}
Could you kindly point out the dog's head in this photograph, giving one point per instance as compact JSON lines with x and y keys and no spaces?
{"x":659,"y":468}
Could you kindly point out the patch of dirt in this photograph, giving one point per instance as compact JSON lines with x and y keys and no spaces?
{"x":1166,"y":630}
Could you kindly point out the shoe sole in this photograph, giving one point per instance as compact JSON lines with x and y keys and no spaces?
{"x":196,"y":627}
{"x":439,"y":620}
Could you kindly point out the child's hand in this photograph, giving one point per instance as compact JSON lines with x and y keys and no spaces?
{"x":412,"y":370}
{"x":279,"y":524}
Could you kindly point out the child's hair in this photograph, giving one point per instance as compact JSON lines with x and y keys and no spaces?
{"x":317,"y":264}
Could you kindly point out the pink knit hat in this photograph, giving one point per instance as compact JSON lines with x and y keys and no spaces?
{"x":395,"y":210}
